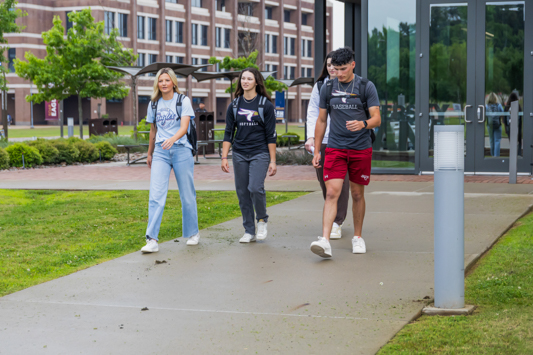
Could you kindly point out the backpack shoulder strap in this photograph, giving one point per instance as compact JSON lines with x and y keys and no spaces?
{"x":235,"y":105}
{"x":261,"y":108}
{"x":329,"y":88}
{"x":179,"y":102}
{"x":362,"y":95}
{"x":319,"y":85}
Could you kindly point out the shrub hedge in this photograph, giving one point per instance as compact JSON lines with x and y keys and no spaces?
{"x":4,"y":159}
{"x":31,"y":155}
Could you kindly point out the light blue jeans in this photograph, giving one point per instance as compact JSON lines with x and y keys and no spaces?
{"x":495,"y":137}
{"x":181,"y":160}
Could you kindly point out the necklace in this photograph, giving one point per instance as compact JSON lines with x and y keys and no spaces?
{"x":252,"y":100}
{"x":346,"y":89}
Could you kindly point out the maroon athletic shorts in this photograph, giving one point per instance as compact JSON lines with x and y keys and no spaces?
{"x":357,"y":163}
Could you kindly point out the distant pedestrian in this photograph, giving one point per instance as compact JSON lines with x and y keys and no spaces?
{"x":353,"y":104}
{"x":201,"y":107}
{"x":252,"y":115}
{"x":170,"y":114}
{"x":9,"y":119}
{"x":328,"y":73}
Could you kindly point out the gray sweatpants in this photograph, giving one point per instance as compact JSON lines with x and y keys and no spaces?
{"x":250,"y":173}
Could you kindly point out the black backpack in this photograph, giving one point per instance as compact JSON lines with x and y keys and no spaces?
{"x":260,"y":110}
{"x":192,"y":137}
{"x":362,"y":97}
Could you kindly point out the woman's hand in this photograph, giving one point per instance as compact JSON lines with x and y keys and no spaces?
{"x":149,"y":160}
{"x":272,"y":168}
{"x":310,"y":145}
{"x":225,"y":165}
{"x":167,"y":144}
{"x":316,"y":160}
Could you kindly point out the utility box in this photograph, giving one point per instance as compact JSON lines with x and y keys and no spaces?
{"x":205,"y":123}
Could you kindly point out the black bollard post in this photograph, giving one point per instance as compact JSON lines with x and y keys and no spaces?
{"x":100,"y":151}
{"x":23,"y":164}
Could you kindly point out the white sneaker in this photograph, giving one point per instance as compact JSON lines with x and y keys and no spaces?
{"x":247,"y":238}
{"x":321,"y":247}
{"x":358,"y":245}
{"x":194,"y":239}
{"x":336,"y":231}
{"x":151,"y":246}
{"x":261,"y":230}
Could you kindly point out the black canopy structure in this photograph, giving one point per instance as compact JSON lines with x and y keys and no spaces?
{"x":134,"y":72}
{"x":291,"y":83}
{"x":202,"y":76}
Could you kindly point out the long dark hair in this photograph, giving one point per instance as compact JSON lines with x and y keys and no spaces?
{"x":512,"y":97}
{"x":324,"y":73}
{"x":260,"y":88}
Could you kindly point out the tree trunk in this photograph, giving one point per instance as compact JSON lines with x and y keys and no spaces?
{"x":80,"y":116}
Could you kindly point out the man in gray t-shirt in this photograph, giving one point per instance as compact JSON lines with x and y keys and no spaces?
{"x":349,"y":146}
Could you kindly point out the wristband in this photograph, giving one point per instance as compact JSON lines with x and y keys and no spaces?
{"x":273,"y":162}
{"x":224,"y":158}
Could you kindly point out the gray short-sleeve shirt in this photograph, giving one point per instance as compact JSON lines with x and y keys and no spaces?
{"x":345,"y":107}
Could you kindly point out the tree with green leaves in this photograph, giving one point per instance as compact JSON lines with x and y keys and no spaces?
{"x":235,"y":64}
{"x":8,"y":15}
{"x":76,"y":65}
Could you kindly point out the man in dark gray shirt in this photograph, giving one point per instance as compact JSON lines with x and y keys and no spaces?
{"x":349,"y":146}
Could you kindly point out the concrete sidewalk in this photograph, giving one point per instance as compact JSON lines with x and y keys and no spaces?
{"x":273,"y":296}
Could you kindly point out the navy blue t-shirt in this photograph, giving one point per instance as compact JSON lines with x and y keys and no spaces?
{"x":252,"y":136}
{"x":343,"y":108}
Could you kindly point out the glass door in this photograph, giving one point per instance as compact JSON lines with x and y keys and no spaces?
{"x":447,"y":62}
{"x":500,"y":51}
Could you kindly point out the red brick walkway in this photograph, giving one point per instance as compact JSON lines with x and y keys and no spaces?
{"x":103,"y":172}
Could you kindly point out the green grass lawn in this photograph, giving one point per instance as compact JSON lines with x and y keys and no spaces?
{"x":49,"y":234}
{"x":54,"y":131}
{"x":501,"y":285}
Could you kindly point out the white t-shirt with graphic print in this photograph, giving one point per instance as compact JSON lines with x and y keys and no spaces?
{"x":167,"y":123}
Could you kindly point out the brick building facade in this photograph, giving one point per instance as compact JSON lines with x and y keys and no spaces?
{"x":178,"y":31}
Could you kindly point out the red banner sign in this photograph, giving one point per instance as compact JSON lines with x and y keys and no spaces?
{"x":51,"y":110}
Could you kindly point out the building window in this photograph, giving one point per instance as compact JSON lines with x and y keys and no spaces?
{"x":218,"y":40}
{"x":169,"y":31}
{"x":141,"y":60}
{"x":267,"y":43}
{"x":307,"y":47}
{"x":227,"y":40}
{"x":268,"y":12}
{"x":304,"y":47}
{"x":109,"y":22}
{"x":309,"y":72}
{"x":179,"y":32}
{"x":290,"y":44}
{"x":196,"y":3}
{"x":275,"y":68}
{"x":292,"y":73}
{"x":169,"y":59}
{"x":204,"y":62}
{"x":180,"y":60}
{"x":195,"y":61}
{"x":140,"y":27}
{"x":152,"y":29}
{"x":220,"y":5}
{"x":274,"y":44}
{"x":246,"y":8}
{"x":310,"y":49}
{"x":287,"y":15}
{"x":203,"y":35}
{"x":194,"y":33}
{"x":12,"y":54}
{"x":69,"y":23}
{"x":172,"y":1}
{"x":304,"y":19}
{"x":123,"y":25}
{"x":153,"y":58}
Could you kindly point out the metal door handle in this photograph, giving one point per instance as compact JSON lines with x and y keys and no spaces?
{"x":466,"y":106}
{"x":482,"y":113}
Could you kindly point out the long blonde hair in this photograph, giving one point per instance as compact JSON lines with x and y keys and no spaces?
{"x":156,"y":95}
{"x":492,"y":99}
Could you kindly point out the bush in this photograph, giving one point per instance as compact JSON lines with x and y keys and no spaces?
{"x":4,"y":159}
{"x":294,"y":157}
{"x":48,"y":152}
{"x":88,"y":152}
{"x":143,"y":126}
{"x":283,"y":141}
{"x":68,"y":153}
{"x":31,"y":155}
{"x":115,"y":141}
{"x":107,"y":150}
